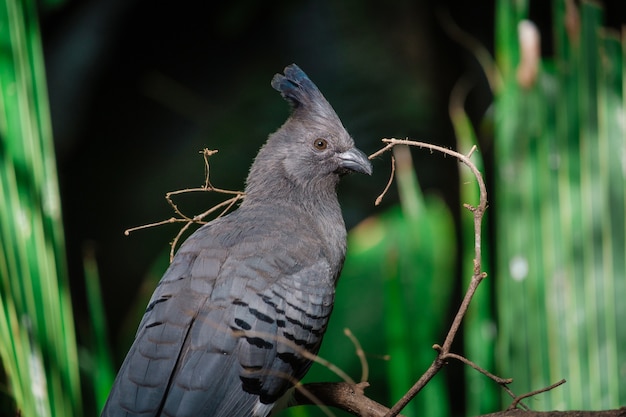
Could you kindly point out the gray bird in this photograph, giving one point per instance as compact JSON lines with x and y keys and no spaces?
{"x":247,"y":294}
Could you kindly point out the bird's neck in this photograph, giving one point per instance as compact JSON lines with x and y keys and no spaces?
{"x":319,"y":202}
{"x":317,"y":205}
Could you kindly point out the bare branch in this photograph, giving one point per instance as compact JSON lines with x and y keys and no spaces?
{"x":360,"y":354}
{"x":197,"y":219}
{"x":381,"y":151}
{"x":342,"y":395}
{"x":503,"y":382}
{"x":205,"y":155}
{"x":391,"y":176}
{"x":533,"y":393}
{"x":496,"y":379}
{"x":478,"y":212}
{"x":146,"y":226}
{"x":471,"y":151}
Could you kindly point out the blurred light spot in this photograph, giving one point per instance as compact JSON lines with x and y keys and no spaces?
{"x":518,"y":267}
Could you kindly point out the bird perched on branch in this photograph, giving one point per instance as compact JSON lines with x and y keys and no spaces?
{"x":244,"y":305}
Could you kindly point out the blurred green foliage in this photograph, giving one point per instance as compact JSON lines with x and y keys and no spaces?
{"x":38,"y":345}
{"x":559,"y":202}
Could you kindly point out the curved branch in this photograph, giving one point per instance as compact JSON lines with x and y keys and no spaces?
{"x":342,"y":395}
{"x":478,"y":212}
{"x":519,"y":398}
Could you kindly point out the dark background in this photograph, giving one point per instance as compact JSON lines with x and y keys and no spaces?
{"x":138,"y":87}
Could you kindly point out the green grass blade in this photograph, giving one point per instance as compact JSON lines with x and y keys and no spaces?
{"x":34,"y":285}
{"x":102,"y":370}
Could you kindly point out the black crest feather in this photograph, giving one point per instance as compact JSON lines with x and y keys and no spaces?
{"x":296,"y":87}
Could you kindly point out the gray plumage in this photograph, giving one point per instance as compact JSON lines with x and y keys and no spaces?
{"x":224,"y":331}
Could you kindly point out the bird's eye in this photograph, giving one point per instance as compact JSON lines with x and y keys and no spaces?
{"x":320,"y":144}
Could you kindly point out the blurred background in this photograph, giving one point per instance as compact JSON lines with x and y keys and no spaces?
{"x":136,"y":89}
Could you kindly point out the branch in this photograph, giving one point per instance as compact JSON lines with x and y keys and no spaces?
{"x":393,"y":171}
{"x":503,"y":382}
{"x":532,"y":393}
{"x":199,"y":218}
{"x":341,"y":395}
{"x":360,"y":354}
{"x":478,"y":212}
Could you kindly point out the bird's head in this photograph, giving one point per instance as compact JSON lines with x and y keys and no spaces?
{"x":312,"y":150}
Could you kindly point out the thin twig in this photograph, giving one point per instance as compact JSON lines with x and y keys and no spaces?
{"x":391,"y":176}
{"x":533,"y":393}
{"x":495,"y":378}
{"x":471,"y":151}
{"x":205,"y":154}
{"x":146,"y":226}
{"x":178,"y":236}
{"x":503,"y":382}
{"x":382,"y":151}
{"x":199,"y":218}
{"x":360,"y":354}
{"x":168,"y":198}
{"x":227,"y":204}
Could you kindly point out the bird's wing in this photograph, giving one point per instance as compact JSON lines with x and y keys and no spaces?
{"x":225,"y":330}
{"x":144,"y":377}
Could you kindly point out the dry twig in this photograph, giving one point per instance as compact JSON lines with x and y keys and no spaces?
{"x":199,"y":218}
{"x":360,"y":354}
{"x":393,"y":171}
{"x":519,"y":398}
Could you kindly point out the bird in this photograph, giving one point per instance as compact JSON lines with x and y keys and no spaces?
{"x":235,"y":320}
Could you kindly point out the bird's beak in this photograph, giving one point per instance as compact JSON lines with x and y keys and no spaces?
{"x":356,"y":161}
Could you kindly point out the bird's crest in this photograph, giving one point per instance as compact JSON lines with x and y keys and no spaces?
{"x":298,"y":89}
